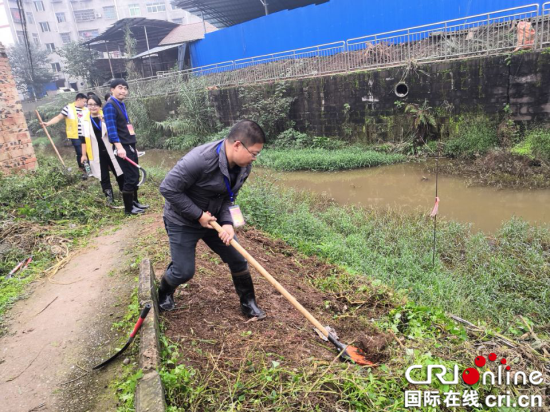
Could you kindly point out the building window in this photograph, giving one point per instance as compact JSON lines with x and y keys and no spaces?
{"x":56,"y":67}
{"x":30,"y":17}
{"x":134,"y":10}
{"x":84,"y":15}
{"x":178,"y":21}
{"x":44,"y":26}
{"x":88,"y":34}
{"x":35,"y":38}
{"x":20,"y":37}
{"x":109,"y":13}
{"x":60,"y":17}
{"x":65,"y":37}
{"x":39,"y":6}
{"x":50,"y":47}
{"x":16,"y":15}
{"x":156,"y":7}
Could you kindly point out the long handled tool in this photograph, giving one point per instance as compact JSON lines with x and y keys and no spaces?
{"x":49,"y":137}
{"x":142,"y":317}
{"x":347,"y":352}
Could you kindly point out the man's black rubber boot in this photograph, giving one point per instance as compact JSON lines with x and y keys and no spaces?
{"x":129,"y":208}
{"x":136,"y":202}
{"x":245,"y":290}
{"x":166,"y":296}
{"x":109,"y":197}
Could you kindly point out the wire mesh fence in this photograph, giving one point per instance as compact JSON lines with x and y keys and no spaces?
{"x":502,"y":31}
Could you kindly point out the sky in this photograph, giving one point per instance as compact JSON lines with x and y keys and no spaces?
{"x":5,"y":32}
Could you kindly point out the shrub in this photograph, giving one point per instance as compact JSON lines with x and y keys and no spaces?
{"x":540,"y":142}
{"x":196,"y":116}
{"x":472,"y":135}
{"x":270,"y":109}
{"x":293,"y":139}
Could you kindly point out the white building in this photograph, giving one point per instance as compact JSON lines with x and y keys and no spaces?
{"x":53,"y":23}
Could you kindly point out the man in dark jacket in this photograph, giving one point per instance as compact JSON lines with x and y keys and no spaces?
{"x":201,"y":188}
{"x":121,"y":134}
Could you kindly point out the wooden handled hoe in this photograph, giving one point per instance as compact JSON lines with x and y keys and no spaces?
{"x":51,"y":141}
{"x":347,"y":352}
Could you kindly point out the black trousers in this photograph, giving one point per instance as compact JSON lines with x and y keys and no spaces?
{"x":77,"y":144}
{"x":106,"y":165}
{"x":183,"y":241}
{"x":131,"y":173}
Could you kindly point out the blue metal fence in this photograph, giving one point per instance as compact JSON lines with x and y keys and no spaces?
{"x":332,"y":22}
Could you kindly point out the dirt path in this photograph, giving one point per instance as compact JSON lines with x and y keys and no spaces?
{"x":63,"y":329}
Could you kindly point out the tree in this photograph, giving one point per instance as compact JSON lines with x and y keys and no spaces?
{"x":78,"y":61}
{"x":30,"y":77}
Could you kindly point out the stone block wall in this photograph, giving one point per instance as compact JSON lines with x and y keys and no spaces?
{"x":364,"y":106}
{"x":16,"y":150}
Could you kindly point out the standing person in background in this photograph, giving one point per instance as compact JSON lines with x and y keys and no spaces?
{"x":122,"y":136}
{"x":98,"y":151}
{"x":73,"y":114}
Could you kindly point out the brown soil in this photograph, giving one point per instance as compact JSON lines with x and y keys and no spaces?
{"x":208,"y":313}
{"x":63,"y":329}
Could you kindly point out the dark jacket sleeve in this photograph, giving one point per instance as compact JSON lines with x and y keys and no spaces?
{"x":177,"y":181}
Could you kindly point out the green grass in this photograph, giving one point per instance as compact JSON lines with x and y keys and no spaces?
{"x":479,"y":278}
{"x":325,"y":160}
{"x":491,"y":280}
{"x":45,"y":213}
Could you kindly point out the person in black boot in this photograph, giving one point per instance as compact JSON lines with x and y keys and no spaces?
{"x":137,"y":204}
{"x":245,"y":291}
{"x":166,"y":296}
{"x":98,"y":152}
{"x":202,"y":188}
{"x":109,"y":198}
{"x":129,"y":207}
{"x":122,"y":136}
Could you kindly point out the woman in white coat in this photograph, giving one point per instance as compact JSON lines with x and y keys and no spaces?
{"x":99,"y":152}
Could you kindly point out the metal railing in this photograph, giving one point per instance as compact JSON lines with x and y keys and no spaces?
{"x":482,"y":34}
{"x":544,"y":37}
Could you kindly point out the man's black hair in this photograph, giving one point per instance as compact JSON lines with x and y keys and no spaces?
{"x":116,"y":82}
{"x":96,"y":99}
{"x":80,"y":96}
{"x":107,"y":96}
{"x":248,"y":132}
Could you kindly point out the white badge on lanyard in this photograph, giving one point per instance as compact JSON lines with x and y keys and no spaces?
{"x":237,"y":216}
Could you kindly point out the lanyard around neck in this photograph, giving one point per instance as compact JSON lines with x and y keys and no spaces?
{"x":98,"y":127}
{"x":122,"y":108}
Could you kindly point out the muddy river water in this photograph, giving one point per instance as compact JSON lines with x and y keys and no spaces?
{"x":410,"y":187}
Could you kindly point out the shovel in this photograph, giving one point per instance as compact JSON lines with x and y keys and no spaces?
{"x":51,"y":141}
{"x":347,"y":352}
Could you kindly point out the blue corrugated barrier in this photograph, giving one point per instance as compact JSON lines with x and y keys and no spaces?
{"x":330,"y":22}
